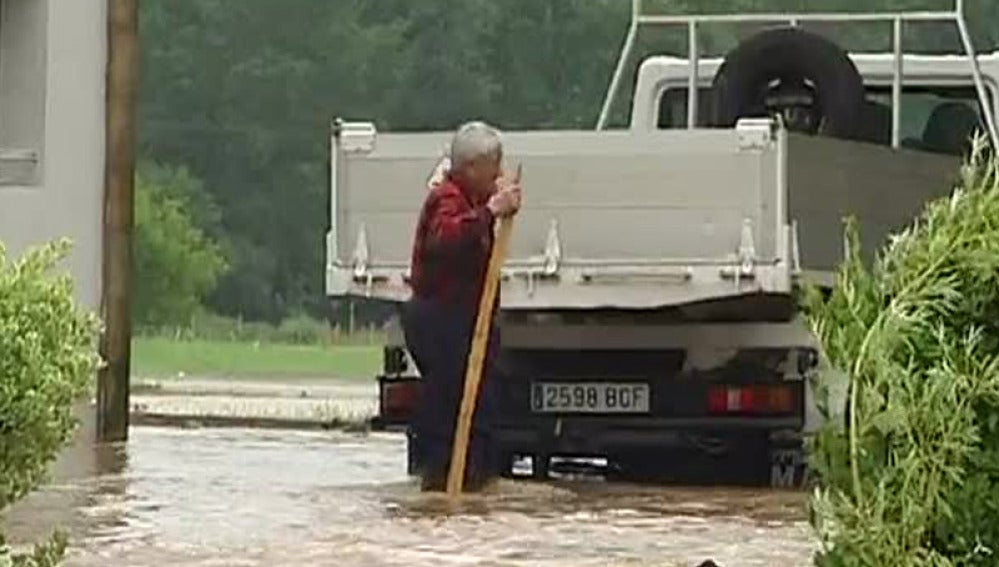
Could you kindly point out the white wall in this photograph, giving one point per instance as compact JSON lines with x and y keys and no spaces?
{"x":52,"y":64}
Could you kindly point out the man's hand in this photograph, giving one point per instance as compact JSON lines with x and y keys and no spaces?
{"x":505,"y":202}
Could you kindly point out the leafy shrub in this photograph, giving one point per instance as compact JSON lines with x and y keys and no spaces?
{"x":912,"y":477}
{"x":176,"y":263}
{"x":48,"y":358}
{"x":303,"y":330}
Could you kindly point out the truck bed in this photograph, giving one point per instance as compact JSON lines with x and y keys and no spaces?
{"x":635,"y":220}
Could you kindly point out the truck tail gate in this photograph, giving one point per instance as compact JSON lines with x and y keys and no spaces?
{"x":672,"y":217}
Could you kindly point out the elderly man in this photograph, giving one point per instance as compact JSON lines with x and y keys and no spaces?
{"x":451,"y":250}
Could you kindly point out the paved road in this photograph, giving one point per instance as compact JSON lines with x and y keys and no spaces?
{"x":293,"y":400}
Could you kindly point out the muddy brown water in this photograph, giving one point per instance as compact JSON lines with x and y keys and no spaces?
{"x":230,"y":497}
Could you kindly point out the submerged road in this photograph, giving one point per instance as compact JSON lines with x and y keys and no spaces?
{"x":242,"y":497}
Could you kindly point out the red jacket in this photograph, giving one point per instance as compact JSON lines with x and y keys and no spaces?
{"x":452,"y":245}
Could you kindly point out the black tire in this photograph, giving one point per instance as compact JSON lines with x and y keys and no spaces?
{"x":790,"y":54}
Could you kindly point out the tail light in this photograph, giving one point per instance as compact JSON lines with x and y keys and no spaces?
{"x":399,"y":399}
{"x":751,"y":400}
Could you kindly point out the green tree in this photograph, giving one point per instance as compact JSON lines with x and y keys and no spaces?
{"x":176,"y":263}
{"x":242,"y":93}
{"x":48,"y":361}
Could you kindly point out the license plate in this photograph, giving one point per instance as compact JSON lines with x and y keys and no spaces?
{"x":589,"y":397}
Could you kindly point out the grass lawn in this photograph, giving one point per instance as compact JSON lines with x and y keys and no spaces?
{"x":165,"y":358}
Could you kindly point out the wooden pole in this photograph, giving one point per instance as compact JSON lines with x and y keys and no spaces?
{"x":119,"y":176}
{"x":477,"y":356}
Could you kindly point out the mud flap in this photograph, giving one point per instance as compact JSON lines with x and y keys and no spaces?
{"x":788,"y":467}
{"x":411,"y":461}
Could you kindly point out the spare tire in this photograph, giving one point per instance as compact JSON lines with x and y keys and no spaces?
{"x":796,"y":60}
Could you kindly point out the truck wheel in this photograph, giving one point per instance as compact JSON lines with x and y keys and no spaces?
{"x":789,"y":69}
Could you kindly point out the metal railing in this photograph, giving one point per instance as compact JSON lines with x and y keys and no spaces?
{"x":896,"y":19}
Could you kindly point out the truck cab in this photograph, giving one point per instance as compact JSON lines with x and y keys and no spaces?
{"x":939,"y":105}
{"x":650,"y":322}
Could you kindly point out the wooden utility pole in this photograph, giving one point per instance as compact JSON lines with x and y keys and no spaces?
{"x":119,"y":180}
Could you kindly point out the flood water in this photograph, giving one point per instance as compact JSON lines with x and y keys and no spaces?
{"x":227,"y":497}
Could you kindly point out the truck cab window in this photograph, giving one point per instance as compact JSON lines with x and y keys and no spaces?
{"x":673,"y":108}
{"x":933,"y":119}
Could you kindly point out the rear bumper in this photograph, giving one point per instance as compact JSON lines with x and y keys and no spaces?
{"x":692,"y":452}
{"x":609,"y":436}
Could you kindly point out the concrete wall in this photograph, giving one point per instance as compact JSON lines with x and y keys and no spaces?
{"x":52,"y":65}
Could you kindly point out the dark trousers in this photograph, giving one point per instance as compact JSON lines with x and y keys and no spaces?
{"x":438,"y":336}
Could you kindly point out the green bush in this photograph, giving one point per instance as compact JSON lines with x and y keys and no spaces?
{"x":303,"y":330}
{"x":911,"y":478}
{"x":176,"y":263}
{"x":48,"y":358}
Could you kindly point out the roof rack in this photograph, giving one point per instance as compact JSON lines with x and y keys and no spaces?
{"x":897,"y":19}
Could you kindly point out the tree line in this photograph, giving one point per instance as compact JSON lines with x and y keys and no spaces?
{"x":237,"y":96}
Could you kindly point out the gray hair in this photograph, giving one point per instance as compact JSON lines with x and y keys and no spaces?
{"x":474,"y":140}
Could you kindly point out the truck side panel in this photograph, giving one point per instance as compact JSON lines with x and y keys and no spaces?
{"x":884,"y":189}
